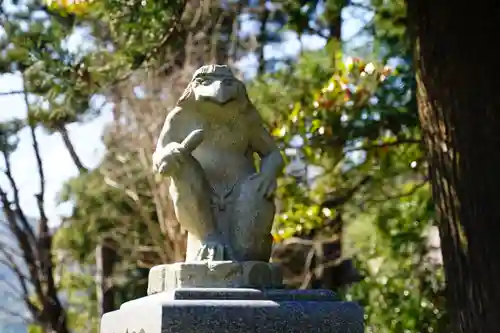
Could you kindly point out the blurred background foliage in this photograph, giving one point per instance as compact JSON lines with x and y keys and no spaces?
{"x":354,"y":207}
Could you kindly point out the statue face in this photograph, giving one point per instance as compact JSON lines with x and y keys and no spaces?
{"x":214,"y":88}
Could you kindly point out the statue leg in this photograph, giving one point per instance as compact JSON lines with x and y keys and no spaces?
{"x":191,"y":195}
{"x":251,"y":224}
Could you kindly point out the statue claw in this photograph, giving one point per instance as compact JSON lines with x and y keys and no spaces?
{"x":211,"y":251}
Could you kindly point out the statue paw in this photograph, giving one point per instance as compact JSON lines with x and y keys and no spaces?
{"x":167,"y":158}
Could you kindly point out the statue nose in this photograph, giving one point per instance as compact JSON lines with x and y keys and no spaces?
{"x":215,"y":86}
{"x":212,"y":89}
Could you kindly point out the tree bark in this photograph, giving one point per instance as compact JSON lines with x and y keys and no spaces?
{"x":459,"y":107}
{"x":106,"y":260}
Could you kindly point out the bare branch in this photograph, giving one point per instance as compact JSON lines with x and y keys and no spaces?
{"x":8,"y":93}
{"x":383,"y":145}
{"x":14,"y":251}
{"x":135,"y":200}
{"x":22,"y":217}
{"x":340,"y":197}
{"x":412,"y":191}
{"x":22,"y":239}
{"x":22,"y":279}
{"x":71,"y":149}
{"x":52,"y":313}
{"x":309,"y":242}
{"x":235,"y":37}
{"x":307,"y":268}
{"x":15,"y":314}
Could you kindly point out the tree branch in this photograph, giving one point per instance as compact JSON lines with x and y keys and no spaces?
{"x":15,"y":314}
{"x":26,"y":248}
{"x":414,"y":189}
{"x":21,"y":278}
{"x":71,"y":149}
{"x":22,"y":217}
{"x":52,"y":313}
{"x":383,"y":145}
{"x":40,"y":197}
{"x":337,"y":198}
{"x":172,"y":31}
{"x":9,"y":93}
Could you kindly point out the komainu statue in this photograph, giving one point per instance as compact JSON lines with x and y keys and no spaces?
{"x":207,"y":147}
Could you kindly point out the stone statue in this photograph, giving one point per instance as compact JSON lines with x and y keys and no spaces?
{"x":207,"y":147}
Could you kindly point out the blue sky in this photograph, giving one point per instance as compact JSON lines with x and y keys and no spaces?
{"x":87,"y":137}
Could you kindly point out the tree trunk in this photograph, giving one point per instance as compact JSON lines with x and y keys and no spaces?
{"x":263,"y":37}
{"x":459,"y":107}
{"x":333,"y":15}
{"x":106,"y":259}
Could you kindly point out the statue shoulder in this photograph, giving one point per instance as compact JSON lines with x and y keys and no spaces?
{"x":178,"y":116}
{"x":253,"y":116}
{"x":174,"y":114}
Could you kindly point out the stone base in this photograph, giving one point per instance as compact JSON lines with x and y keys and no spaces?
{"x":237,"y":311}
{"x":214,"y":274}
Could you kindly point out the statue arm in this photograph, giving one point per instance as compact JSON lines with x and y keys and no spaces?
{"x":263,"y":144}
{"x":168,"y":133}
{"x":168,"y":142}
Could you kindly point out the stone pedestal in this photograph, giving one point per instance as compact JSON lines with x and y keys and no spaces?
{"x":236,"y":311}
{"x":215,"y":274}
{"x":180,"y":302}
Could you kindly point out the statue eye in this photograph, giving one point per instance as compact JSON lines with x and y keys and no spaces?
{"x":203,"y":81}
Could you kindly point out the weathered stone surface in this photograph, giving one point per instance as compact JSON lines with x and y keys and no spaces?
{"x":207,"y":148}
{"x":237,"y":311}
{"x":214,"y":274}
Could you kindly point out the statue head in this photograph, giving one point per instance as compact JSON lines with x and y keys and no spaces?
{"x":214,"y":84}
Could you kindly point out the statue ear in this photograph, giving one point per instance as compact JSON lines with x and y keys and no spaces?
{"x":185,"y":95}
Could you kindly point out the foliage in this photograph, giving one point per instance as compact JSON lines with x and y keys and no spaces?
{"x":358,"y":124}
{"x":403,"y":286}
{"x":348,"y":127}
{"x":352,"y":130}
{"x":104,"y":211}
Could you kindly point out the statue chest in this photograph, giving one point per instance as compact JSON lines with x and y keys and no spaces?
{"x":224,"y":135}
